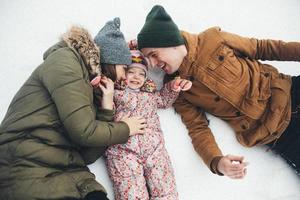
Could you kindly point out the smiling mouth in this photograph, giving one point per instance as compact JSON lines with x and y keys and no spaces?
{"x":135,"y":82}
{"x":163,"y":67}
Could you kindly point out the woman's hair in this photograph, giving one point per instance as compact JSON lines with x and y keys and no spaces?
{"x":109,"y":71}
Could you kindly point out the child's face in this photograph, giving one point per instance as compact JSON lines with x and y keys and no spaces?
{"x":135,"y":77}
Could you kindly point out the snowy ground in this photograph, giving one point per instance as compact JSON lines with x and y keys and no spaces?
{"x":28,"y":28}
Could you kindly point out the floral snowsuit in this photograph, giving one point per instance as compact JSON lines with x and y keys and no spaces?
{"x":141,"y":168}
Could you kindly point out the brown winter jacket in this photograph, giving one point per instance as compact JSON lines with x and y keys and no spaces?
{"x":230,"y":83}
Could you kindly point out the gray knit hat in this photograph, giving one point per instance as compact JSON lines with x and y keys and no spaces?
{"x":113,"y":47}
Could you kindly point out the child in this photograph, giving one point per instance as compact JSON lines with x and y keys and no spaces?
{"x":141,"y":168}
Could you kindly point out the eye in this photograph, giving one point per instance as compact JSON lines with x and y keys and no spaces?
{"x":142,"y":74}
{"x":153,"y":55}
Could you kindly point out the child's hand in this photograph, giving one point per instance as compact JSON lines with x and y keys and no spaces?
{"x":132,"y":44}
{"x":179,"y":84}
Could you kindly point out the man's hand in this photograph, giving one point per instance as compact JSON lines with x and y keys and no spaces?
{"x":233,"y":166}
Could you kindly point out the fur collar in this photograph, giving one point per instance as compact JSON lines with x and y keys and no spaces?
{"x":80,"y":39}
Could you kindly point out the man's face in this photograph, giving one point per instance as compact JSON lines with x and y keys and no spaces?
{"x":168,"y":58}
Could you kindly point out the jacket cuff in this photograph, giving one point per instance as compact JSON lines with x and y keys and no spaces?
{"x":214,"y":165}
{"x":124,"y":129}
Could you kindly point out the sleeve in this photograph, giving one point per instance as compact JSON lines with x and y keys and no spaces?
{"x":202,"y":138}
{"x":91,"y":154}
{"x":264,"y":49}
{"x":101,"y":113}
{"x":105,"y":114}
{"x":63,"y":78}
{"x":165,"y":97}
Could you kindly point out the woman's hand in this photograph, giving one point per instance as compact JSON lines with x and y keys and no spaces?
{"x":179,"y":84}
{"x":136,"y":125}
{"x":107,"y":87}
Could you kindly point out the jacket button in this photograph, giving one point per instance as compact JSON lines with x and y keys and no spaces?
{"x":221,"y":58}
{"x":267,"y":74}
{"x":274,"y":133}
{"x":217,"y":99}
{"x":191,"y":78}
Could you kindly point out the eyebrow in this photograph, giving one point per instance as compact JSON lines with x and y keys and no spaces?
{"x":150,"y":53}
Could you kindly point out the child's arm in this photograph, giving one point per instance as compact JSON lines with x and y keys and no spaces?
{"x":132,"y":44}
{"x":169,"y":93}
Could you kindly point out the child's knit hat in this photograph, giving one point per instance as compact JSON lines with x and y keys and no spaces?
{"x":138,"y":60}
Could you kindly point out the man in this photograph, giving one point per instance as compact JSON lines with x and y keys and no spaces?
{"x":229,"y":82}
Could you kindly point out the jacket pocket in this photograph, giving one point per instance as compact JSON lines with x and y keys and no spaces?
{"x":224,"y":66}
{"x":264,"y":87}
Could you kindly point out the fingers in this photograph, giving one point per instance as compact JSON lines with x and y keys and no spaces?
{"x":103,"y":89}
{"x":102,"y":80}
{"x":95,"y":82}
{"x":182,"y":84}
{"x":238,"y":175}
{"x":141,"y":129}
{"x":233,"y":166}
{"x":106,"y":85}
{"x":132,"y":44}
{"x":140,"y":120}
{"x":187,"y":85}
{"x":235,"y":158}
{"x":123,"y":116}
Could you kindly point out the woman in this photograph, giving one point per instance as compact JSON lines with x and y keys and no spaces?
{"x":49,"y":134}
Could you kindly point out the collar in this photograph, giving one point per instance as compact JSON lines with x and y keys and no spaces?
{"x":191,"y":43}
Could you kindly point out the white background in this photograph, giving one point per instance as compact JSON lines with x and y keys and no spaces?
{"x":28,"y":28}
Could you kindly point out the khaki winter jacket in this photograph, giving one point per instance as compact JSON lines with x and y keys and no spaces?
{"x":49,"y":134}
{"x":230,"y":83}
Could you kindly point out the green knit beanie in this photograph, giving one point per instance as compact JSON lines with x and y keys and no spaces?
{"x":159,"y":30}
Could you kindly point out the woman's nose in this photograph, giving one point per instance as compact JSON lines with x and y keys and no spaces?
{"x":123,"y":77}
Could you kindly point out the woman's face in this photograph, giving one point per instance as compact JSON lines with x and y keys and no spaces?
{"x":120,"y":72}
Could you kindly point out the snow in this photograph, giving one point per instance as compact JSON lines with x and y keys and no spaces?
{"x":28,"y":28}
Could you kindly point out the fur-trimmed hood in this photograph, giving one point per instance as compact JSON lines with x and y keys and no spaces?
{"x":79,"y":39}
